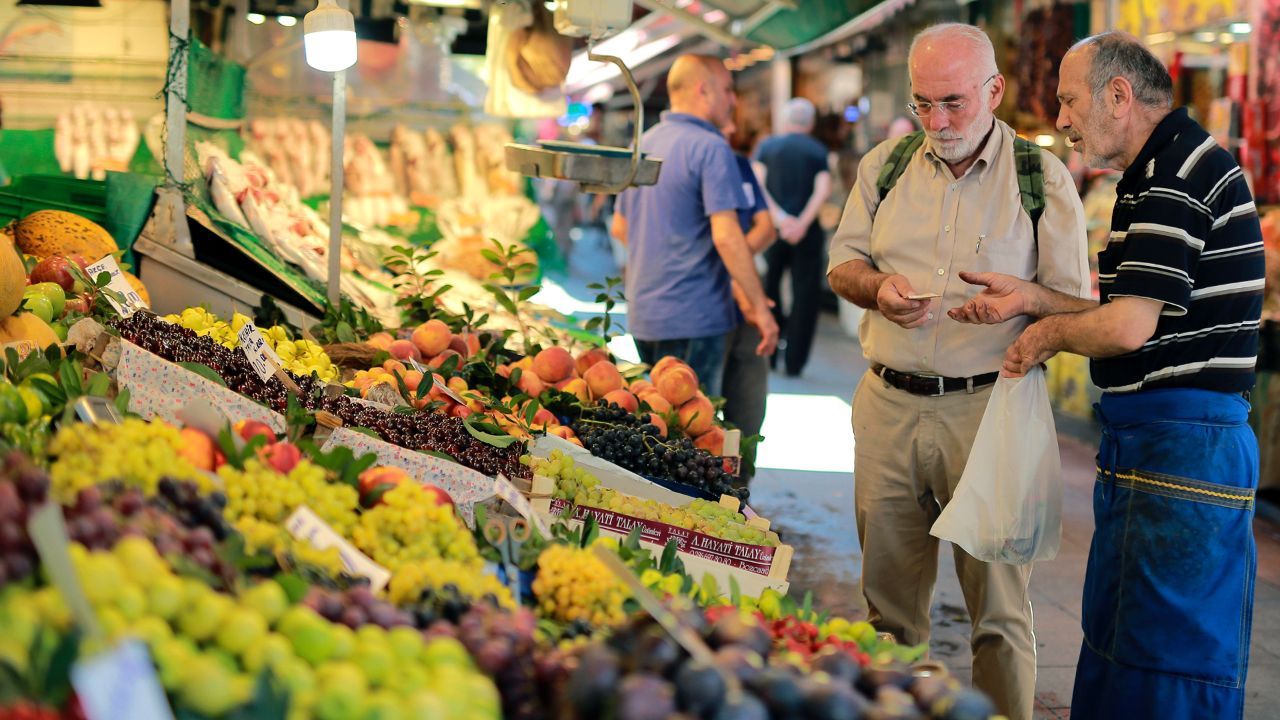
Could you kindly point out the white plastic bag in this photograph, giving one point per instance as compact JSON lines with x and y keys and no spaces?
{"x":1008,"y":505}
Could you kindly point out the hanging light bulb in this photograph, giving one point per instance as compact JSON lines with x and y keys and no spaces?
{"x":329,"y":37}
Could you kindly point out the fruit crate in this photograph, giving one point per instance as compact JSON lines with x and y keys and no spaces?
{"x":29,"y":193}
{"x":752,"y":567}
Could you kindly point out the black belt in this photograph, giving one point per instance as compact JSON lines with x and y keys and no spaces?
{"x":933,"y":385}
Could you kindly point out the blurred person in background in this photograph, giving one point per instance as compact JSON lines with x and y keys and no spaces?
{"x":793,"y":169}
{"x":683,"y":236}
{"x":746,"y":373}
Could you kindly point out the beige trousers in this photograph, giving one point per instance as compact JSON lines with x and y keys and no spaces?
{"x":909,"y":454}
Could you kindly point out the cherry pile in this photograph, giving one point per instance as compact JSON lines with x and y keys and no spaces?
{"x":415,"y":430}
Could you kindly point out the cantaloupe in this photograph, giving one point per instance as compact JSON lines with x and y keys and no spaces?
{"x":26,"y":326}
{"x":13,"y":278}
{"x":55,"y":232}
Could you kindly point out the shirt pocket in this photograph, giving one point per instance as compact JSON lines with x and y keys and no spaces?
{"x":1001,"y":242}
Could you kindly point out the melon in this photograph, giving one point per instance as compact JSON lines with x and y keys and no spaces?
{"x":13,"y":278}
{"x":55,"y":232}
{"x":26,"y":326}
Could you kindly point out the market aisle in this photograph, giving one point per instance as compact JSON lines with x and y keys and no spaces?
{"x":805,"y":483}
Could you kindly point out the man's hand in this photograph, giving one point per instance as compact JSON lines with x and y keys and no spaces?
{"x":790,"y":229}
{"x":1004,"y":298}
{"x":762,"y":318}
{"x":1032,"y":347}
{"x":893,"y":303}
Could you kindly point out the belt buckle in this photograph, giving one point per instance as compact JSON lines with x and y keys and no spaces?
{"x":941,"y":386}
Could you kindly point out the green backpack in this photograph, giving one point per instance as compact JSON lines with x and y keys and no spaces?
{"x":1026,"y":158}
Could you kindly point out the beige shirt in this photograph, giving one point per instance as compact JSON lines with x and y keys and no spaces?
{"x":932,"y":226}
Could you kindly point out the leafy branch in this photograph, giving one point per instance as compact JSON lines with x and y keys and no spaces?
{"x":502,"y":285}
{"x":610,"y":294}
{"x":415,"y":284}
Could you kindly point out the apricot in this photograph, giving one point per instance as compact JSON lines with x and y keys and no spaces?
{"x":603,"y":378}
{"x":432,"y":337}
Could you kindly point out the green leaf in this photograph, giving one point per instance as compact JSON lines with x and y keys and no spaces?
{"x":514,"y":377}
{"x":295,"y":588}
{"x":503,"y":299}
{"x":122,"y":402}
{"x":364,"y":431}
{"x":57,"y":681}
{"x":424,"y":385}
{"x":98,"y":385}
{"x":807,"y":608}
{"x":204,"y":371}
{"x":491,"y":256}
{"x":529,"y":292}
{"x":710,"y":589}
{"x":445,"y":456}
{"x":669,"y":554}
{"x":735,"y":592}
{"x":69,"y":374}
{"x":102,"y":279}
{"x":345,"y":333}
{"x":590,"y":531}
{"x":498,"y":441}
{"x":531,"y":410}
{"x":595,"y":286}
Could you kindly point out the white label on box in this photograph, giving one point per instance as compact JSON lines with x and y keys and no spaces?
{"x":264,"y":360}
{"x":132,"y":301}
{"x":121,"y":683}
{"x":304,"y":524}
{"x":503,"y":488}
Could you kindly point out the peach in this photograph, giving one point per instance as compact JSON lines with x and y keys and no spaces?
{"x":663,"y":364}
{"x":656,"y":421}
{"x":460,"y":411}
{"x":589,"y":358}
{"x":283,"y":456}
{"x":432,"y":337}
{"x":412,"y":379}
{"x":712,"y":441}
{"x":603,"y":378}
{"x":436,"y":495}
{"x":504,"y":370}
{"x":198,"y":448}
{"x":623,"y":399}
{"x":394,"y":366}
{"x":459,"y":346}
{"x":472,"y":343}
{"x":655,"y":401}
{"x":678,"y":385}
{"x":696,"y":416}
{"x":404,"y":350}
{"x":381,"y":340}
{"x":438,"y":361}
{"x":530,"y":384}
{"x":639,"y":387}
{"x":372,"y":478}
{"x":458,"y":385}
{"x":576,"y":387}
{"x":525,"y":364}
{"x":249,"y":429}
{"x":544,"y":417}
{"x":562,"y":431}
{"x":553,"y":364}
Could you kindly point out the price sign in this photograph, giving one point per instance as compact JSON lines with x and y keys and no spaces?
{"x":264,"y":360}
{"x":121,"y":683}
{"x":503,"y":488}
{"x":305,"y":525}
{"x":132,"y":301}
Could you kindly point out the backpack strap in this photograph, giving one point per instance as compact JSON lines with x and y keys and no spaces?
{"x":1026,"y":159}
{"x":897,"y":162}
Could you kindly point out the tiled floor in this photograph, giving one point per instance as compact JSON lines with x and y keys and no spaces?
{"x":814,"y":511}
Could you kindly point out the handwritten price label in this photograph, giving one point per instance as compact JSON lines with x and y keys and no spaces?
{"x":264,"y":360}
{"x":132,"y":301}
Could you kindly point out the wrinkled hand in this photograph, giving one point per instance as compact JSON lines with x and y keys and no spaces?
{"x":893,"y":303}
{"x":762,"y":319}
{"x":1004,"y":298}
{"x":1030,"y":349}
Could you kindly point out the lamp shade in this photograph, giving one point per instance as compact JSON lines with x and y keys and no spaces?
{"x":329,"y":37}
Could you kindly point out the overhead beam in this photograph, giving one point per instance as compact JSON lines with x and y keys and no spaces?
{"x":709,"y":30}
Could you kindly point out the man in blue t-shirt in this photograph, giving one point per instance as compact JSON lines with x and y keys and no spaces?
{"x":684,"y":243}
{"x":797,"y":182}
{"x":1168,"y":591}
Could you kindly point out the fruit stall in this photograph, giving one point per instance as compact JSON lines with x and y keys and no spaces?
{"x":460,"y":516}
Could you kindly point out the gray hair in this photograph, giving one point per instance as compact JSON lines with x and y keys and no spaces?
{"x":1117,"y":54}
{"x":799,"y":113}
{"x":970,"y":35}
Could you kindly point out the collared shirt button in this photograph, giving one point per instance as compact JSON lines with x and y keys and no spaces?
{"x":929,"y":316}
{"x":947,"y":228}
{"x":953,"y":186}
{"x":941,"y":271}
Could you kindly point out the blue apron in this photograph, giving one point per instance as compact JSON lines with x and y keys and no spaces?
{"x":1168,"y":592}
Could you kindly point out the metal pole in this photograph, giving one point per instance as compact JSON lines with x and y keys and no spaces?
{"x":336,"y":184}
{"x":176,"y":127}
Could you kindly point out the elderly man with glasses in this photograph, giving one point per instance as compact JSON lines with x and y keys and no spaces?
{"x":964,"y":195}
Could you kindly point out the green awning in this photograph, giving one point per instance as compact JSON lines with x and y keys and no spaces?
{"x":811,"y":20}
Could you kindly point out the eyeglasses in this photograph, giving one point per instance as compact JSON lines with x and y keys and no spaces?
{"x":950,"y":107}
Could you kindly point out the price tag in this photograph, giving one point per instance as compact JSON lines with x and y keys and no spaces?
{"x":264,"y":360}
{"x":48,"y":533}
{"x":121,"y":683}
{"x":132,"y":301}
{"x":503,"y":488}
{"x":304,"y":524}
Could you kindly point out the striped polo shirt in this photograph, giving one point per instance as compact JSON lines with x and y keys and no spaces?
{"x":1185,"y":232}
